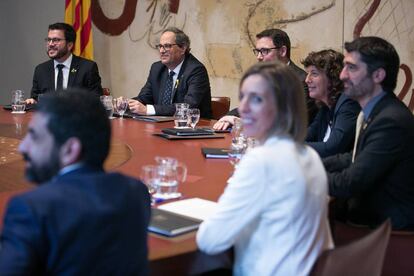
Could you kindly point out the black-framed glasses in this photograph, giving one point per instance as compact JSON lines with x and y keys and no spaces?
{"x":53,"y":40}
{"x":166,"y":46}
{"x":264,"y":51}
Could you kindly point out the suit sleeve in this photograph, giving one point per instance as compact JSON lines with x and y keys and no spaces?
{"x":94,"y":80}
{"x":19,"y":241}
{"x":35,"y":87}
{"x":342,"y":132}
{"x":234,"y":112}
{"x":145,"y":96}
{"x":381,"y":149}
{"x":198,"y":87}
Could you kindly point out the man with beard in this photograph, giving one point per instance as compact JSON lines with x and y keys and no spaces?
{"x":80,"y":220}
{"x":177,"y":78}
{"x":64,"y":69}
{"x":376,"y":181}
{"x":271,"y":45}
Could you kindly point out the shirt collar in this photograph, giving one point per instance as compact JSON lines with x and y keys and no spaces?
{"x":67,"y":62}
{"x":70,"y":168}
{"x":177,"y":69}
{"x":371,"y":104}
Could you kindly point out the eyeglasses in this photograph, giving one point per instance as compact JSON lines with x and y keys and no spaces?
{"x":166,"y":46}
{"x":53,"y":40}
{"x":264,"y":51}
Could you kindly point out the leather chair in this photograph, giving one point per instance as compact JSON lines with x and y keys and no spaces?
{"x":398,"y":257}
{"x":361,"y":257}
{"x":220,"y":106}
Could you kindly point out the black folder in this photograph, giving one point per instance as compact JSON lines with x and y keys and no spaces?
{"x":171,"y":224}
{"x":217,"y":153}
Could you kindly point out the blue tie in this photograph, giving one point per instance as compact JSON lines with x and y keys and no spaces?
{"x":166,"y":98}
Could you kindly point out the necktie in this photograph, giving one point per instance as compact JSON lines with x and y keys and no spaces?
{"x":59,"y":82}
{"x":359,"y":122}
{"x":166,"y":98}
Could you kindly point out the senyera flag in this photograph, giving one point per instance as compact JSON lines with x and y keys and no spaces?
{"x":78,"y":14}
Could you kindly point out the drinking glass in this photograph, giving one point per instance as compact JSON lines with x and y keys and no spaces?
{"x":193,"y":117}
{"x":107,"y":103}
{"x":149,"y":177}
{"x":121,"y":105}
{"x":237,"y":149}
{"x":18,"y":102}
{"x":181,"y":115}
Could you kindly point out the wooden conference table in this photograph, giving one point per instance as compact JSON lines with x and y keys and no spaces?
{"x":133,"y":146}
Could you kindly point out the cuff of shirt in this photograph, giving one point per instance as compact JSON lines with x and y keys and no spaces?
{"x":150,"y":109}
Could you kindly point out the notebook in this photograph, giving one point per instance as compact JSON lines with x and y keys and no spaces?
{"x":187,"y":131}
{"x":217,"y":153}
{"x":181,"y":216}
{"x":171,"y":224}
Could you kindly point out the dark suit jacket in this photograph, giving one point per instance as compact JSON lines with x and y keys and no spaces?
{"x":310,"y":103}
{"x":83,"y":73}
{"x":193,"y":88}
{"x":342,"y":120}
{"x":380,"y":183}
{"x":85,"y":222}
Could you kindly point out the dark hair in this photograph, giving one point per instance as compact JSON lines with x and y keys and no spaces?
{"x":331,"y":63}
{"x":70,"y":34}
{"x":78,"y":113}
{"x":279,"y":37}
{"x":287,"y":89}
{"x":181,"y":38}
{"x":378,"y":53}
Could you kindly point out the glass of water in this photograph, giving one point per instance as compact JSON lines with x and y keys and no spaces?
{"x":121,"y":105}
{"x":107,"y":103}
{"x":237,"y":149}
{"x":149,"y":177}
{"x":193,"y":117}
{"x":18,"y":102}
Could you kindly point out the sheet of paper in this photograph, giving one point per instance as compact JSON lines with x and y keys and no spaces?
{"x":193,"y":207}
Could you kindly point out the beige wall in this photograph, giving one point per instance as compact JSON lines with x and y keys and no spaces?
{"x":222,"y":32}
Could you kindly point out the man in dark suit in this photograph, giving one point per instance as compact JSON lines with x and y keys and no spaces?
{"x":378,"y":181}
{"x":75,"y":71}
{"x":80,"y":220}
{"x":271,"y":45}
{"x":177,"y":78}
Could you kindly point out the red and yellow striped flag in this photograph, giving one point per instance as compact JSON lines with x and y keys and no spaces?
{"x":78,"y":14}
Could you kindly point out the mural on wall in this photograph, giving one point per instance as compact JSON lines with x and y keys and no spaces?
{"x":154,"y":26}
{"x":223,"y":32}
{"x":390,"y":19}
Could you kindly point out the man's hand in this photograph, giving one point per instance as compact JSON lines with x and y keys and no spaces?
{"x":137,"y":107}
{"x":30,"y":101}
{"x":224,"y":122}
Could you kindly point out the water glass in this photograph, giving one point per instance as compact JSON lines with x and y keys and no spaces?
{"x":107,"y":103}
{"x":193,"y":117}
{"x":181,"y":115}
{"x":121,"y":105}
{"x":18,"y":102}
{"x":149,"y":177}
{"x":237,"y":149}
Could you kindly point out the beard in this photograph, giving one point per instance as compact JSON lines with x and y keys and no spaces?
{"x":362,"y":89}
{"x":40,"y":173}
{"x":59,"y":52}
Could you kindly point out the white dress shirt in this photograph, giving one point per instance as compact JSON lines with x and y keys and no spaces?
{"x":273,"y":211}
{"x":65,"y":71}
{"x":150,"y":107}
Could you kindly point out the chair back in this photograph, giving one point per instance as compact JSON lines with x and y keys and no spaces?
{"x":361,"y":257}
{"x":220,"y":106}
